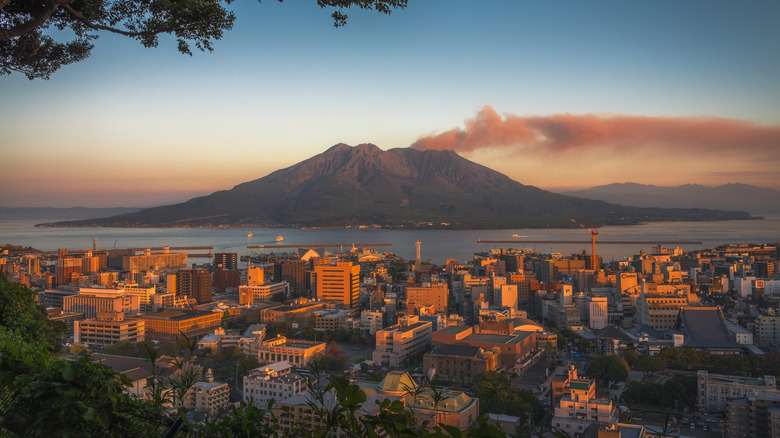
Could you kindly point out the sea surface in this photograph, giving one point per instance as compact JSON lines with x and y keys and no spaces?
{"x":436,"y":245}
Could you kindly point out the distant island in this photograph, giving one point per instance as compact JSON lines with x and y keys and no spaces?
{"x":733,"y":196}
{"x":399,"y":188}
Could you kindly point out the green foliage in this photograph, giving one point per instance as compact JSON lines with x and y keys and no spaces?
{"x":679,"y":390}
{"x":648,"y":364}
{"x":690,"y":359}
{"x":21,"y":314}
{"x":496,"y":396}
{"x":631,"y":357}
{"x":27,"y":47}
{"x":606,"y":368}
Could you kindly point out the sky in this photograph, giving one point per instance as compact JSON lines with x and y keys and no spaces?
{"x":556,"y":94}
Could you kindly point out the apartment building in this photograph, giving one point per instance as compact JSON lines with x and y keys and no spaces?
{"x":397,"y":343}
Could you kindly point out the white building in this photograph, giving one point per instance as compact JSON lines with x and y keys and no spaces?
{"x":598,"y":315}
{"x":272,"y":382}
{"x":397,"y":343}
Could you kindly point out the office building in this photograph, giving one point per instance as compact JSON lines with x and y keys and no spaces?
{"x":194,"y":283}
{"x":339,"y":283}
{"x":108,"y":329}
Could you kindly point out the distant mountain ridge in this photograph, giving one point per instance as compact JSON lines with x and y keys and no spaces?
{"x":71,"y":213}
{"x":402,"y":187}
{"x":732,"y":196}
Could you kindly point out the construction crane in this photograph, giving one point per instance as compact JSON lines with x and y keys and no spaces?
{"x":593,"y":232}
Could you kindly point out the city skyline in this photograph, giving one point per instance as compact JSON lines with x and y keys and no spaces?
{"x":560,"y":96}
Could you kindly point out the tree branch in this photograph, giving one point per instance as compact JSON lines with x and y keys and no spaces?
{"x":78,"y":15}
{"x":34,"y":23}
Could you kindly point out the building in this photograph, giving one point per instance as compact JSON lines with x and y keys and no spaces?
{"x":597,"y":312}
{"x":449,"y":407}
{"x":371,"y":321}
{"x":194,"y":283}
{"x":227,"y":261}
{"x":299,"y":311}
{"x":397,"y":343}
{"x":715,"y":390}
{"x":460,"y":363}
{"x":149,"y":262}
{"x":513,"y":346}
{"x":169,"y":324}
{"x":757,"y":414}
{"x":767,"y":329}
{"x":207,"y":396}
{"x":221,"y":339}
{"x":579,"y":408}
{"x":429,"y":294}
{"x":272,"y":382}
{"x":335,"y":319}
{"x":293,"y":272}
{"x":659,"y":307}
{"x":91,"y":301}
{"x":108,"y":329}
{"x":263,"y":292}
{"x":298,"y":352}
{"x":339,"y":283}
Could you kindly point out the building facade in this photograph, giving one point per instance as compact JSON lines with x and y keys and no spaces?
{"x":340,"y":282}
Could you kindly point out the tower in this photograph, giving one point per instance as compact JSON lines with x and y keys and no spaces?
{"x":417,"y":251}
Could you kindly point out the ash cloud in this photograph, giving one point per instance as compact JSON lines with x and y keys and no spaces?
{"x":562,"y":133}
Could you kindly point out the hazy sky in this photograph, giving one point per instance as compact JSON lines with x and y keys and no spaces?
{"x":556,"y":94}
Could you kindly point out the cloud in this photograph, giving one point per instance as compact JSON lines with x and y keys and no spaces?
{"x":562,"y":133}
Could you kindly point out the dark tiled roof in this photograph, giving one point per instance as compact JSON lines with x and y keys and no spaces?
{"x":455,"y":350}
{"x":612,"y":332}
{"x":705,"y":327}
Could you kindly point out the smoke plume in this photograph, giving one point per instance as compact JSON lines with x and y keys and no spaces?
{"x":567,"y":132}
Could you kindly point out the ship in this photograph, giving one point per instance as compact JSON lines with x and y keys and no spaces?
{"x":279,"y":238}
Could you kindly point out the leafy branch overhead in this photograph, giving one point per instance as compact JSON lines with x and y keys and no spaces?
{"x":27,"y":47}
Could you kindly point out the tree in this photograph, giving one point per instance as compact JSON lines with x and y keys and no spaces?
{"x":609,"y":368}
{"x":27,"y":48}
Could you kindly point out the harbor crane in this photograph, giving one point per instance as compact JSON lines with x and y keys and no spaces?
{"x":593,"y":232}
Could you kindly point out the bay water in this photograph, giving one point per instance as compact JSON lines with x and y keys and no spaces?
{"x":436,"y":245}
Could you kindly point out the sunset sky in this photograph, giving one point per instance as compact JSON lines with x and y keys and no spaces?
{"x":560,"y":95}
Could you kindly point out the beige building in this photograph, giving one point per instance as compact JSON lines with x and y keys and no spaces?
{"x":298,"y":352}
{"x":659,"y":305}
{"x":272,"y":382}
{"x":715,"y":390}
{"x":429,"y":294}
{"x":460,"y":363}
{"x":207,"y":396}
{"x":149,"y":261}
{"x":108,"y":329}
{"x":397,"y":343}
{"x":91,"y":301}
{"x":579,"y":407}
{"x":755,"y":415}
{"x":168,"y":324}
{"x":249,"y":294}
{"x":340,"y":282}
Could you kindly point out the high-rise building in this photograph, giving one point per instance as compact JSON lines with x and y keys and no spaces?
{"x":294,"y":273}
{"x":195,"y":283}
{"x":339,"y":283}
{"x":226,"y":260}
